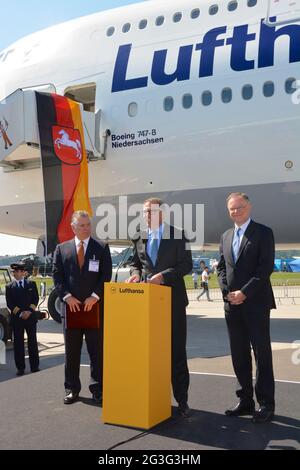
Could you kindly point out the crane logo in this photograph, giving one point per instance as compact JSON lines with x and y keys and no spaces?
{"x":3,"y":132}
{"x":67,"y":144}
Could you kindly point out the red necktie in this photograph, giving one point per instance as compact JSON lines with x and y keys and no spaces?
{"x":80,"y":255}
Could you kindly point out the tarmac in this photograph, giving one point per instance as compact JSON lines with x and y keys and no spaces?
{"x":33,"y":415}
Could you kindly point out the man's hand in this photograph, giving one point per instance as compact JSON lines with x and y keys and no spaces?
{"x":156,"y":279}
{"x":73,"y":303}
{"x":25,"y":315}
{"x":236,"y":298}
{"x":134,"y":278}
{"x":88,"y":303}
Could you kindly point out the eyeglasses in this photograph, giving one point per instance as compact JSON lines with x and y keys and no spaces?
{"x":150,"y":211}
{"x":239,"y":208}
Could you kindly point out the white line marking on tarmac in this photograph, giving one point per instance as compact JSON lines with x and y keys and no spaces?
{"x":233,"y":377}
{"x":223,"y":375}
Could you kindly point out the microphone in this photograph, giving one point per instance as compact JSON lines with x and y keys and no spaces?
{"x":144,"y":276}
{"x":121,"y":262}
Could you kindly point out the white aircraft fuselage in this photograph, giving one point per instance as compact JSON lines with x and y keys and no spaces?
{"x":197,"y":105}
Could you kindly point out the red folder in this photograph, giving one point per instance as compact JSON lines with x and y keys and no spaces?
{"x":82,"y":319}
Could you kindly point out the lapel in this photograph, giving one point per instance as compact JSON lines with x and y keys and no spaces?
{"x":144,"y":241}
{"x":228,"y":246}
{"x":245,"y":240}
{"x":74,"y":253}
{"x":88,"y":255}
{"x":166,"y":235}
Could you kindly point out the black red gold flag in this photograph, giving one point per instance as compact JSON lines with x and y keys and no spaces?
{"x":64,"y":163}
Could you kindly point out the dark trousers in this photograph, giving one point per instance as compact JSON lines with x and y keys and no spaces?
{"x":205,"y":290}
{"x":73,"y":345}
{"x":180,"y":371}
{"x":248,"y":328}
{"x":19,"y":326}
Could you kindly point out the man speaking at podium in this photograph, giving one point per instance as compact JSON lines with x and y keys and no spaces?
{"x":80,"y":268}
{"x":162,"y":255}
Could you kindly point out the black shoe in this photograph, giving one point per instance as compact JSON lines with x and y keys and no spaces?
{"x":263,"y":415}
{"x":241,"y":409}
{"x":20,"y":372}
{"x":184,"y":410}
{"x":35,"y":370}
{"x":70,"y":398}
{"x":97,"y":398}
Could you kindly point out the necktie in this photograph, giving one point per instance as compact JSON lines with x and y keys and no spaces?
{"x":21,"y":284}
{"x":236,"y":244}
{"x":80,"y":255}
{"x":153,"y":249}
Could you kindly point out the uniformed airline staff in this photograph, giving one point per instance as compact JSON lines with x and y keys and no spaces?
{"x":22,"y":299}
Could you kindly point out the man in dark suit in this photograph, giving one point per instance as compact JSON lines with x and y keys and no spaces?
{"x":80,"y":268}
{"x":22,"y":299}
{"x":246,"y":264}
{"x":162,"y":256}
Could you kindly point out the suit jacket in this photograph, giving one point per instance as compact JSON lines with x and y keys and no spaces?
{"x":174,"y":261}
{"x":19,"y":299}
{"x":68,"y":279}
{"x":253,"y":268}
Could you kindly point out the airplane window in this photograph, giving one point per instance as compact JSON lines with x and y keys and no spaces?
{"x":226,"y":95}
{"x":168,"y":103}
{"x":247,"y":92}
{"x":160,"y":20}
{"x":195,"y":13}
{"x":110,"y":31}
{"x":187,"y":101}
{"x":213,"y":10}
{"x":232,"y":6}
{"x":143,"y":24}
{"x":177,"y":17}
{"x":206,"y":98}
{"x":126,"y":27}
{"x":290,"y":85}
{"x":268,"y":89}
{"x":132,"y":109}
{"x":251,"y":3}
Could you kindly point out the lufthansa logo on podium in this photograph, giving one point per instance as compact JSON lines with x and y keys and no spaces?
{"x":131,"y":291}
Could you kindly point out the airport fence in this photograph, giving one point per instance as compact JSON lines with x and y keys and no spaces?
{"x":288,"y":290}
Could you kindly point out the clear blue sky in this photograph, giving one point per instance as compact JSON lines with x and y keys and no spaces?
{"x":22,"y":17}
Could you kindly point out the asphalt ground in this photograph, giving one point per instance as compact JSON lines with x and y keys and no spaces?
{"x":33,"y":415}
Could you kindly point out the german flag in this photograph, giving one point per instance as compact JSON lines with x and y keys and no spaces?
{"x":64,"y":163}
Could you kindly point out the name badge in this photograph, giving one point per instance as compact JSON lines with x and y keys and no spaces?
{"x":94,"y":266}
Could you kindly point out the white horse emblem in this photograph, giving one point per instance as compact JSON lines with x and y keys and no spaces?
{"x":64,"y":140}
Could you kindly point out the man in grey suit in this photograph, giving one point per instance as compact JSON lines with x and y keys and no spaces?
{"x":246,"y":263}
{"x":161,"y":253}
{"x":80,"y":268}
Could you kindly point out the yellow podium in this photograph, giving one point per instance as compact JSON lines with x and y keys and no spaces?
{"x":137,"y":354}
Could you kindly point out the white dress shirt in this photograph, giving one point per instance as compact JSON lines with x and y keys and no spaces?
{"x":85,"y":245}
{"x":243,"y":229}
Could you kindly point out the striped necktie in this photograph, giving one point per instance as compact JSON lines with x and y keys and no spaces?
{"x":236,"y":244}
{"x":80,"y":255}
{"x":153,"y":248}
